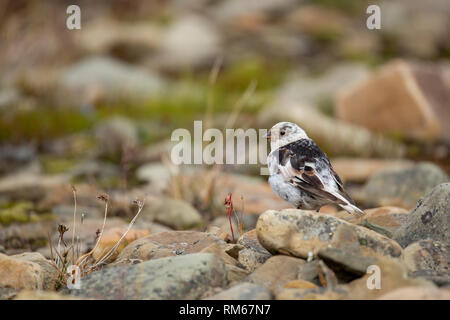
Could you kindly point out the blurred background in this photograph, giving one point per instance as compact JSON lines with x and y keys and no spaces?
{"x":95,"y":107}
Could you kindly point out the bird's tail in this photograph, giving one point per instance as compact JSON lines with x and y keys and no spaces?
{"x":352,"y":209}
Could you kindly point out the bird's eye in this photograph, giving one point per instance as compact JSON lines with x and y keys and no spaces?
{"x":282,"y":132}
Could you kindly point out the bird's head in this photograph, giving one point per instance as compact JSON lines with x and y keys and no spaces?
{"x":284,"y":133}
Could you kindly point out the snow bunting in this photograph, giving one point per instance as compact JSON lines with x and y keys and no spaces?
{"x":301,"y":173}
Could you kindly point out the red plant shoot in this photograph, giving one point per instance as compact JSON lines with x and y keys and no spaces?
{"x":229,"y":205}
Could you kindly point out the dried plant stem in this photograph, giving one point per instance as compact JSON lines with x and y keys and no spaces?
{"x":113,"y":249}
{"x":74,"y":222}
{"x":83,"y":258}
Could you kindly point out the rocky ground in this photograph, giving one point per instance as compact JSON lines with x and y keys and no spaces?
{"x":85,"y":125}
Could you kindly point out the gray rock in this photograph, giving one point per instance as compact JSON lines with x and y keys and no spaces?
{"x":175,"y":213}
{"x":428,"y":258}
{"x":402,"y":187}
{"x":243,"y":291}
{"x":430,"y":218}
{"x":192,"y":41}
{"x":156,"y":174}
{"x":182,"y":277}
{"x":115,"y":135}
{"x":104,"y":77}
{"x":308,"y":271}
{"x":342,"y":261}
{"x":303,"y":233}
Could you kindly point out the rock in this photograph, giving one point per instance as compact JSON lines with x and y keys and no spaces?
{"x":276,"y":272}
{"x":116,"y":136}
{"x":29,"y":270}
{"x":131,"y":41}
{"x":320,"y":293}
{"x":253,"y":255}
{"x":319,"y":21}
{"x":156,"y":174}
{"x":102,"y":78}
{"x":317,"y":90}
{"x":13,"y":157}
{"x":299,"y":232}
{"x":335,"y":137}
{"x":427,"y":255}
{"x":177,"y":214}
{"x":28,"y":236}
{"x":360,"y":169}
{"x":417,"y":293}
{"x":347,"y":264}
{"x":426,"y":36}
{"x":402,"y":187}
{"x":42,"y":295}
{"x":300,"y":284}
{"x":190,"y":42}
{"x":182,"y":277}
{"x":309,"y":271}
{"x":170,"y":243}
{"x":220,"y":249}
{"x":243,"y":291}
{"x":430,"y":218}
{"x":393,"y":275}
{"x":409,"y":100}
{"x":235,"y":274}
{"x":26,"y":186}
{"x":111,"y":237}
{"x":387,"y":218}
{"x":234,"y":11}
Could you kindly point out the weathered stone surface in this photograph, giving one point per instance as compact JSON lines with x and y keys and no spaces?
{"x":189,"y":42}
{"x":253,"y":255}
{"x":300,"y":284}
{"x":276,"y":272}
{"x":393,"y":275}
{"x":427,"y":255}
{"x":408,"y":99}
{"x":170,"y":243}
{"x":29,"y":270}
{"x":320,"y":293}
{"x":402,"y":187}
{"x":42,"y":295}
{"x":182,"y":277}
{"x":100,"y":77}
{"x":349,"y":261}
{"x":417,"y":293}
{"x":309,"y":271}
{"x":243,"y":291}
{"x":430,"y":218}
{"x":387,"y":218}
{"x":177,"y":214}
{"x":361,"y":169}
{"x":299,"y":232}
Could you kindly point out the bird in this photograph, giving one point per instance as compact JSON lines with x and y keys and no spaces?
{"x":301,"y":173}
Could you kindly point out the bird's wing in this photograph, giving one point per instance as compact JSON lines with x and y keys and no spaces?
{"x":304,"y":165}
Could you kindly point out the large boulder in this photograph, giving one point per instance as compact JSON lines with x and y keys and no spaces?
{"x":430,"y":218}
{"x":304,"y":233}
{"x":401,"y":187}
{"x":182,"y":277}
{"x":408,"y":99}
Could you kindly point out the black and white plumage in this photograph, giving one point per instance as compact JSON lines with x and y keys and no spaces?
{"x":301,"y":173}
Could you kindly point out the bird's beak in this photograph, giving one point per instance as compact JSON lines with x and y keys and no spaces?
{"x":268,"y":135}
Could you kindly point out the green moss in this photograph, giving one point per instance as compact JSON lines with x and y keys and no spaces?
{"x":57,"y":165}
{"x":15,"y":212}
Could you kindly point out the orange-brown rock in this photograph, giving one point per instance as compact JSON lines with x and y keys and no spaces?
{"x":400,"y":98}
